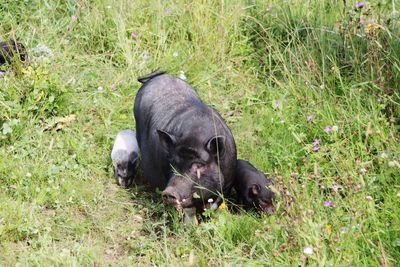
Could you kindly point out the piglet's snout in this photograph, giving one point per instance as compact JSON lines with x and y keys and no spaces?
{"x":170,"y":196}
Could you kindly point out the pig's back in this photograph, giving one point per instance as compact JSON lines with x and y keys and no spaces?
{"x":164,"y":97}
{"x":126,"y":140}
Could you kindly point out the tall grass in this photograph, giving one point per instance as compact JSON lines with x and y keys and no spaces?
{"x":282,"y":73}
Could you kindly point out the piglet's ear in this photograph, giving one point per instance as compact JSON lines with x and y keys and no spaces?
{"x":216,"y":145}
{"x":167,"y":140}
{"x":255,"y":189}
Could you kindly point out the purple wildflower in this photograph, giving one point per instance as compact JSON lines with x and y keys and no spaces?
{"x":285,"y":101}
{"x":278,"y":105}
{"x":2,"y":73}
{"x":328,"y":203}
{"x":134,"y":35}
{"x":310,"y":118}
{"x":316,"y":145}
{"x":327,"y":129}
{"x":168,"y":12}
{"x":359,"y":5}
{"x":74,"y":18}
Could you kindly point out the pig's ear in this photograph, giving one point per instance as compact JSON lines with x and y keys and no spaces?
{"x":167,"y":140}
{"x":255,"y":189}
{"x":216,"y":145}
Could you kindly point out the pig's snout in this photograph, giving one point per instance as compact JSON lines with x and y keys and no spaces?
{"x":170,"y":196}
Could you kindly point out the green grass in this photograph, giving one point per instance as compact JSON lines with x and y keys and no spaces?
{"x":266,"y":66}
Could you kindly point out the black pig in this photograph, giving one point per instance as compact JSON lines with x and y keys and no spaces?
{"x":10,"y":51}
{"x":187,"y":149}
{"x":252,"y":187}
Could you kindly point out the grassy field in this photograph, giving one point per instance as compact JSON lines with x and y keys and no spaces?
{"x":310,"y":90}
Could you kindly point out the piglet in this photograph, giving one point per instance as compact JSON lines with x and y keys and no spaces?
{"x":11,"y":50}
{"x":252,"y":187}
{"x":124,"y":156}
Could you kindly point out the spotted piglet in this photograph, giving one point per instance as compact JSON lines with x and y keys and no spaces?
{"x":124,"y":156}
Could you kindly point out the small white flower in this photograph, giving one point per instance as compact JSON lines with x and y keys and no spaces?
{"x":28,"y":174}
{"x":308,"y":250}
{"x":42,"y":49}
{"x":384,"y":155}
{"x":336,"y":187}
{"x":394,"y":163}
{"x":145,"y":55}
{"x":6,"y":129}
{"x":373,"y":179}
{"x":335,"y":128}
{"x":181,"y":75}
{"x":210,"y":200}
